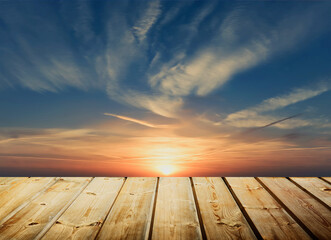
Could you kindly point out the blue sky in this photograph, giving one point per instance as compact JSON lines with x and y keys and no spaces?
{"x":168,"y":76}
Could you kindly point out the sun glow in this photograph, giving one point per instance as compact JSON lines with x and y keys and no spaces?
{"x":166,"y":169}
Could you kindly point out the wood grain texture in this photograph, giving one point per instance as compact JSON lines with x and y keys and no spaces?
{"x":221,"y":215}
{"x":271,"y":220}
{"x":312,"y":213}
{"x":130,"y":217}
{"x":19,"y":191}
{"x":175,"y":213}
{"x":7,"y":180}
{"x":315,"y":186}
{"x":83,"y":219}
{"x":328,"y":179}
{"x":176,"y":208}
{"x":30,"y":221}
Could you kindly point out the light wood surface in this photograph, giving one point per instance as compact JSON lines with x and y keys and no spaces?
{"x":83,"y":219}
{"x":271,"y":220}
{"x":7,"y":182}
{"x":20,"y":193}
{"x":27,"y":223}
{"x":175,"y":213}
{"x":328,"y":179}
{"x":131,"y":215}
{"x":221,"y":216}
{"x":311,"y":213}
{"x":165,"y":208}
{"x":319,"y":188}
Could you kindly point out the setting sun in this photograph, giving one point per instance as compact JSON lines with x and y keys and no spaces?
{"x":166,"y":169}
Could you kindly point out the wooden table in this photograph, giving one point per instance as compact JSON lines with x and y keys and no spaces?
{"x":165,"y":208}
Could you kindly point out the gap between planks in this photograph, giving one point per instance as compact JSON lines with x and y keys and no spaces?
{"x":111,"y":207}
{"x":326,"y":179}
{"x":47,"y":185}
{"x":310,"y":193}
{"x":311,"y":213}
{"x":130,"y":216}
{"x":203,"y":231}
{"x":58,"y":215}
{"x":153,"y":209}
{"x":302,"y":225}
{"x":241,"y":207}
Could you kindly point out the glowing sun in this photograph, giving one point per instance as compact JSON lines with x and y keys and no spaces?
{"x":166,"y":169}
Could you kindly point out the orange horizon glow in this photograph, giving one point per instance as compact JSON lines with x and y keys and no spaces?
{"x":77,"y":152}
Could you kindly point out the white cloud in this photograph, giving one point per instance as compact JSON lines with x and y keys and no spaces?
{"x":145,"y":23}
{"x":208,"y":67}
{"x":297,"y":95}
{"x":253,"y":116}
{"x":225,"y":56}
{"x":159,"y":104}
{"x":137,"y":121}
{"x":206,"y":72}
{"x":134,"y":120}
{"x":44,"y":58}
{"x":40,"y":57}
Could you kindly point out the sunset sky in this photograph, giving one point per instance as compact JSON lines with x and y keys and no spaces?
{"x":155,"y":88}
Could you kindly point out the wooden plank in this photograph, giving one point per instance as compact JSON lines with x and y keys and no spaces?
{"x":130,"y":216}
{"x":315,"y":186}
{"x":311,"y":213}
{"x":9,"y":182}
{"x":221,"y":216}
{"x":83,"y":219}
{"x":19,"y":192}
{"x":30,"y":221}
{"x":5,"y":179}
{"x":270,"y":219}
{"x":328,"y":179}
{"x":175,"y":213}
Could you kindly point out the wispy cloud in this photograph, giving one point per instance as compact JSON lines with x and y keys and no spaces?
{"x":79,"y":14}
{"x":295,"y":96}
{"x":148,"y":19}
{"x":220,"y":60}
{"x":30,"y":59}
{"x":192,"y":66}
{"x":160,"y":104}
{"x":206,"y":72}
{"x":137,"y":121}
{"x":255,"y":116}
{"x":159,"y":75}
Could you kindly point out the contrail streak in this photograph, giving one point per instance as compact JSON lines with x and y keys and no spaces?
{"x":273,"y":123}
